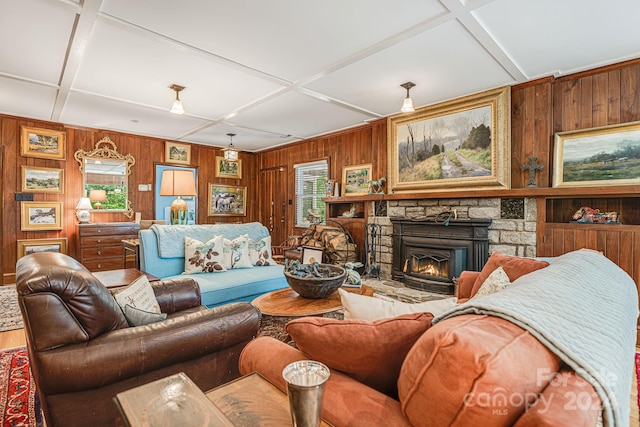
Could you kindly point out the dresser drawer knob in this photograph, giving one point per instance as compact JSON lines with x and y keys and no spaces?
{"x":99,"y":231}
{"x":99,"y":252}
{"x":99,"y":265}
{"x":99,"y":241}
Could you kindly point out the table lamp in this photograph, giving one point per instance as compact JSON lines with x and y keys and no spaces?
{"x":82,"y":210}
{"x":98,"y":196}
{"x":178,"y":183}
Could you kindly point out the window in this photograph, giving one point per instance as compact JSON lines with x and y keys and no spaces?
{"x":310,"y":181}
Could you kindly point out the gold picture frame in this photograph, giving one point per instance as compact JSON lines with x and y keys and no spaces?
{"x":42,"y":180}
{"x":228,"y":168}
{"x":176,"y":153}
{"x":36,"y":216}
{"x":355,"y":180}
{"x":226,"y":200}
{"x":456,"y":145}
{"x":29,"y":246}
{"x":42,"y":143}
{"x":608,"y":155}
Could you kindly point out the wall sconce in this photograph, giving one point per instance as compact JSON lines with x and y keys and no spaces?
{"x":177,"y":108}
{"x":178,"y":183}
{"x":98,"y":196}
{"x":82,"y":210}
{"x":230,"y":153}
{"x":407,"y":105}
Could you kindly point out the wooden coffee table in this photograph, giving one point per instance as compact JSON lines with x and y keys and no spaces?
{"x":288,"y":303}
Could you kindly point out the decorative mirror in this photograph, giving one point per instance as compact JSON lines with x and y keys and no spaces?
{"x":105,"y":177}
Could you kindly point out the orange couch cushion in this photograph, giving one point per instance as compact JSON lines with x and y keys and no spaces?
{"x":512,"y":265}
{"x":370,"y":352}
{"x":473,"y":370}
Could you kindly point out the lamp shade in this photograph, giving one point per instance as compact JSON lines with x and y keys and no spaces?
{"x":177,"y":183}
{"x":84,"y":203}
{"x":407,"y":106}
{"x":98,"y":195}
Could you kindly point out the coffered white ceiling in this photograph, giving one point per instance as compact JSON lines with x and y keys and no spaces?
{"x":277,"y":71}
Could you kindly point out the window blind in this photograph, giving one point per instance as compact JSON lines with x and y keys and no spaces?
{"x":310,"y":190}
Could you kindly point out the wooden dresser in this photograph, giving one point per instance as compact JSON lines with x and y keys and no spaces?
{"x":100,"y":245}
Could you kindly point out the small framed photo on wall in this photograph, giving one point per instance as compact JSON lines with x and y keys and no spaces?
{"x":177,"y":153}
{"x":42,"y":143}
{"x":228,"y":168}
{"x":26,"y":247}
{"x":42,"y":180}
{"x":38,"y":216}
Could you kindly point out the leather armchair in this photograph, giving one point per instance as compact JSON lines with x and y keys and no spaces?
{"x":82,"y":351}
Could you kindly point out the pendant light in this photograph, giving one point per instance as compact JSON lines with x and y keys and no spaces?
{"x":230,"y":153}
{"x":407,"y":105}
{"x":177,"y":108}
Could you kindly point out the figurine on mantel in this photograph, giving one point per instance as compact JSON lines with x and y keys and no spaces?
{"x":375,"y":186}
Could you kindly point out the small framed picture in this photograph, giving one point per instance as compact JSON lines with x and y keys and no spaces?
{"x":177,"y":153}
{"x":42,"y":143}
{"x":41,"y":216}
{"x":311,"y":254}
{"x":355,"y":180}
{"x":42,"y":180}
{"x":228,"y":168}
{"x":26,"y":247}
{"x":226,"y":200}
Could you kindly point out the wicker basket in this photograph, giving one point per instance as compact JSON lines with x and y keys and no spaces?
{"x":318,"y":287}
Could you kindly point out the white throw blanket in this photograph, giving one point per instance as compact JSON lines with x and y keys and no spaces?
{"x":584,"y":308}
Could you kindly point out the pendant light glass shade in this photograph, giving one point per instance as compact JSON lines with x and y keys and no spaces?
{"x":176,"y":107}
{"x":407,"y":105}
{"x":230,"y":153}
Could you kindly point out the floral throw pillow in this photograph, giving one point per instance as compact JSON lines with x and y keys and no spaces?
{"x":260,"y":252}
{"x":203,"y":257}
{"x":236,"y":253}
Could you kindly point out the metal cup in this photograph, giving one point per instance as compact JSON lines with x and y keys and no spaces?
{"x":305,"y":387}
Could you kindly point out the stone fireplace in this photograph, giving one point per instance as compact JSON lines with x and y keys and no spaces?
{"x":429,"y":254}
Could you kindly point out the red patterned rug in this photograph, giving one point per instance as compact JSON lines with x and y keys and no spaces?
{"x":19,"y":405}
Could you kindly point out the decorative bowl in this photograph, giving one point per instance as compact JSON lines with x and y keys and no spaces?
{"x":318,"y":287}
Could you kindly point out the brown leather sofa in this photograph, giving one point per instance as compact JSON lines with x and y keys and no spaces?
{"x":82,"y":351}
{"x":470,"y":370}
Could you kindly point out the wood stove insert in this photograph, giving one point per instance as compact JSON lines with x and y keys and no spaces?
{"x":429,"y":254}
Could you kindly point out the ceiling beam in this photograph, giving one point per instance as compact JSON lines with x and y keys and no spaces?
{"x":80,"y":35}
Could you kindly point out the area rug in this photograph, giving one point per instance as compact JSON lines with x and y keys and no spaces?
{"x":19,"y":404}
{"x":10,"y":317}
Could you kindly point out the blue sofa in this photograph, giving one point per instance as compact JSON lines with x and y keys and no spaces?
{"x":162,"y":254}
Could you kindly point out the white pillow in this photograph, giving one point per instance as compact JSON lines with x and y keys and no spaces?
{"x":497,"y":281}
{"x":137,"y":317}
{"x":236,"y":253}
{"x":371,"y":309}
{"x":203,"y":257}
{"x":139,"y":294}
{"x":260,"y":251}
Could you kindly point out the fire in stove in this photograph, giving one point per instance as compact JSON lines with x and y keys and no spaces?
{"x":427,"y":265}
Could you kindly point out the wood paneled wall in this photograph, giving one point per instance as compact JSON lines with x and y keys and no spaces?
{"x":361,"y":145}
{"x":147,"y":153}
{"x":605,"y":96}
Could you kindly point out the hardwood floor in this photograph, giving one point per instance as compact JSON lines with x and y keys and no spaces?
{"x":16,"y":338}
{"x":12,"y":339}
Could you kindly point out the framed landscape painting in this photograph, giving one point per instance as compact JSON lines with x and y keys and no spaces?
{"x":228,"y":168}
{"x":461,"y":144}
{"x":42,"y":180}
{"x":177,"y":153}
{"x":355,"y":180}
{"x":42,"y":143}
{"x":226,"y":200}
{"x":607,"y":155}
{"x":26,"y":247}
{"x":38,"y":216}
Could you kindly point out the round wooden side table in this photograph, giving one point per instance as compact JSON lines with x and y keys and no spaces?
{"x":288,"y":303}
